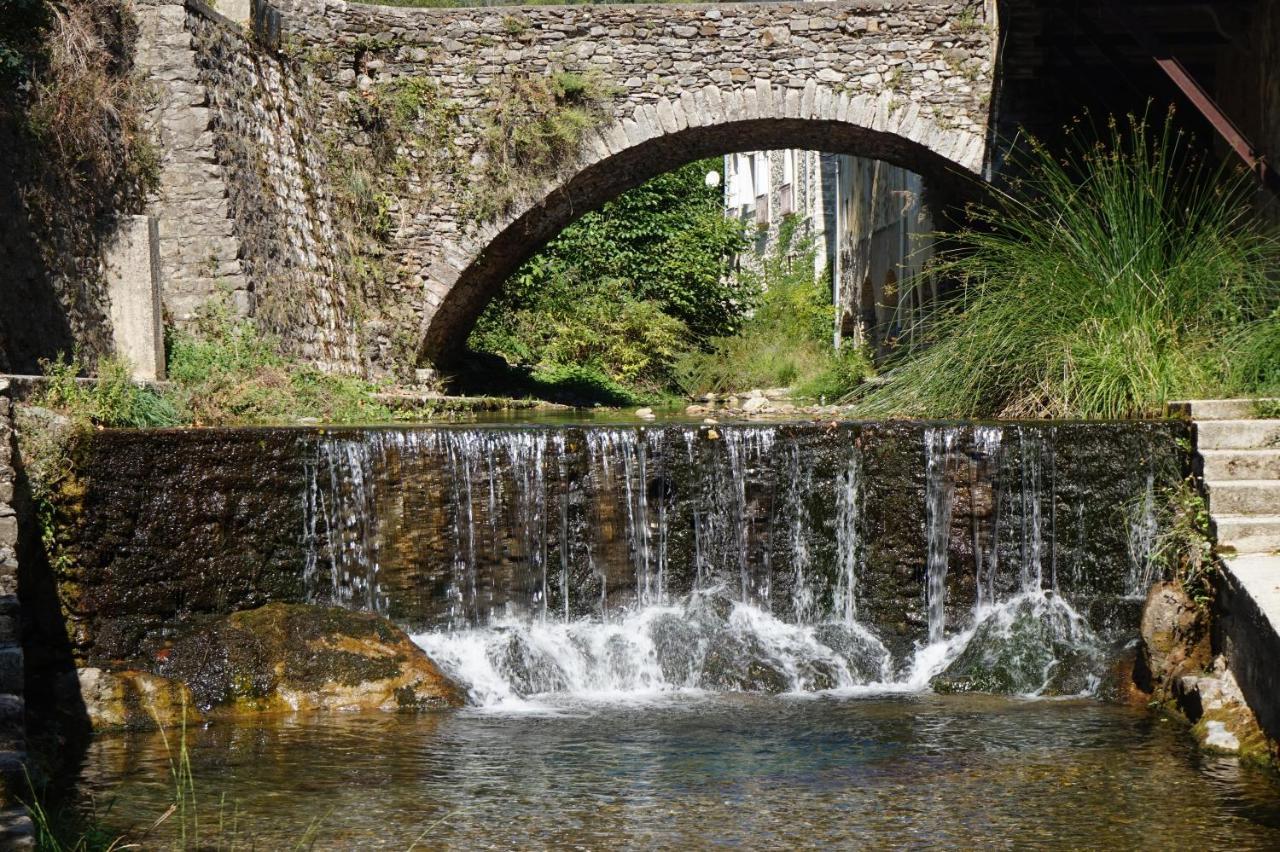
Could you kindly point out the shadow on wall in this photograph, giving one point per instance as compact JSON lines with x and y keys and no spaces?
{"x":33,"y":323}
{"x":57,"y":724}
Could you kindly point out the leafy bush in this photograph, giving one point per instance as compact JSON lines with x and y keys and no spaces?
{"x":626,"y":291}
{"x":1183,"y":549}
{"x":601,"y":327}
{"x":669,"y":238}
{"x":1104,"y":284}
{"x":786,"y":341}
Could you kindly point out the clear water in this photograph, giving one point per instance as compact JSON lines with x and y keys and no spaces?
{"x":700,"y":771}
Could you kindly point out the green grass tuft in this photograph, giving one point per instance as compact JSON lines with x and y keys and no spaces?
{"x":786,"y":341}
{"x":1104,"y":284}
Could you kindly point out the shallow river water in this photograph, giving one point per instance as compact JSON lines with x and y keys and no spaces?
{"x":696,"y":770}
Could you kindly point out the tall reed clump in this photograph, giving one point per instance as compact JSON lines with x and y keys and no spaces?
{"x":1102,"y":283}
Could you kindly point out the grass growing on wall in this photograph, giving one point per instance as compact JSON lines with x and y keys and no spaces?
{"x":223,"y":372}
{"x":1105,"y":283}
{"x":534,"y":124}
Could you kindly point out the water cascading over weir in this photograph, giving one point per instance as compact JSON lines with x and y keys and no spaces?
{"x":631,"y":560}
{"x":607,"y":560}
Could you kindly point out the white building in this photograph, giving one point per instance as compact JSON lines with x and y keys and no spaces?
{"x":868,"y":219}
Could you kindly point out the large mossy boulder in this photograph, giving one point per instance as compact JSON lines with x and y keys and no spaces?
{"x":298,"y":657}
{"x":1033,"y":644}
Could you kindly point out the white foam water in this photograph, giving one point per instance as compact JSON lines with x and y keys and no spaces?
{"x":709,"y":644}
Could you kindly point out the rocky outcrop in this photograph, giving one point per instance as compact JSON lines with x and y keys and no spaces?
{"x":1175,"y":640}
{"x":295,"y":657}
{"x":1177,"y":668}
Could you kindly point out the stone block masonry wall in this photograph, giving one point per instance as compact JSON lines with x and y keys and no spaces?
{"x":14,"y":827}
{"x":199,"y":249}
{"x":920,"y":69}
{"x":242,"y":205}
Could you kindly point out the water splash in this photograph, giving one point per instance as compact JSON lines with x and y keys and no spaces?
{"x":709,"y":642}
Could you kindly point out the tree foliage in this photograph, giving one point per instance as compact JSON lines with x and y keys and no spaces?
{"x":629,"y":288}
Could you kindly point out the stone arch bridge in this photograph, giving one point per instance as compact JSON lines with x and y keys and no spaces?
{"x":906,"y":81}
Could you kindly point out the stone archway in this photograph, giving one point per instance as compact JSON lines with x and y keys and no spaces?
{"x":664,"y":135}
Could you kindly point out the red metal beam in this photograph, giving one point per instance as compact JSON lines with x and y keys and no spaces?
{"x":1253,"y":158}
{"x":1202,"y":100}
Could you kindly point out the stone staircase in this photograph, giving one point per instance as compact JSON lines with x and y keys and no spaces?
{"x":1241,"y":458}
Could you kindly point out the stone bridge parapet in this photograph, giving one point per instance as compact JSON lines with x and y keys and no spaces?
{"x":398,"y":253}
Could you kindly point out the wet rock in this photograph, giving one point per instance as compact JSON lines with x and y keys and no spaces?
{"x":297,"y":657}
{"x":865,"y":656}
{"x":738,"y":662}
{"x":1032,"y":645}
{"x":1175,"y":640}
{"x":756,"y":405}
{"x":528,"y":669}
{"x":1221,"y":719}
{"x":134,"y":700}
{"x":677,"y":644}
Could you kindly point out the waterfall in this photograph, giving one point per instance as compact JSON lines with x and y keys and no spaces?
{"x":634,"y":560}
{"x":795,"y":492}
{"x":986,"y":460}
{"x":1143,"y":528}
{"x":939,"y":494}
{"x":850,"y":548}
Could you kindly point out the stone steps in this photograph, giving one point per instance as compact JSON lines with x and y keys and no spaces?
{"x":1241,"y":464}
{"x":1244,"y":497}
{"x":1237,"y":434}
{"x":1248,"y":533}
{"x":1218,"y":409}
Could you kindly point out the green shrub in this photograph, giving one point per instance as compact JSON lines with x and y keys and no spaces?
{"x":786,"y":340}
{"x":600,"y":327}
{"x":1103,"y":284}
{"x":111,"y":399}
{"x":227,"y":372}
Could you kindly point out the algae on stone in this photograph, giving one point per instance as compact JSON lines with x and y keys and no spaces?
{"x":296,"y":657}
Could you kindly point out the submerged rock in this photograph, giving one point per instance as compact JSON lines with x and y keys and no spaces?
{"x":297,"y":657}
{"x":677,"y":644}
{"x":1033,"y":644}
